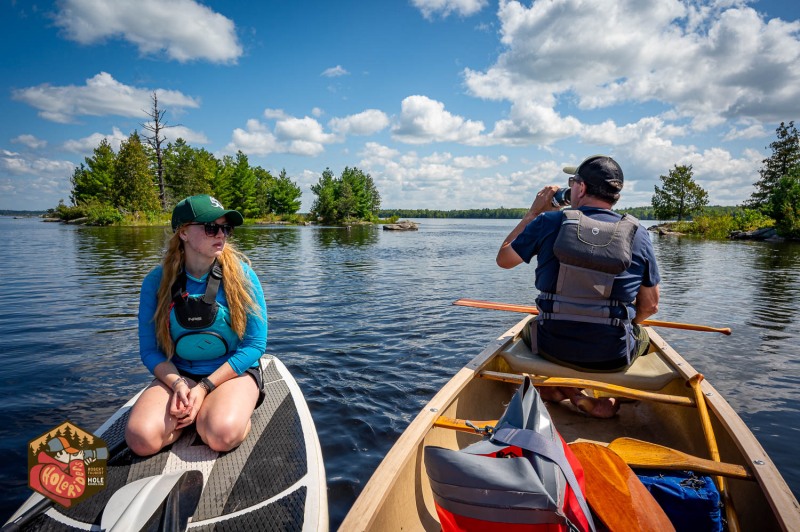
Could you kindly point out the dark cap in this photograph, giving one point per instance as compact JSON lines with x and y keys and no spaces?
{"x":599,"y":170}
{"x":202,"y":208}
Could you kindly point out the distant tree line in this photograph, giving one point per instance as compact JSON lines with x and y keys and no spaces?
{"x":501,"y":212}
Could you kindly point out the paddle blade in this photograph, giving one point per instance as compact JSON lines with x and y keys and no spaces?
{"x":638,"y":453}
{"x":616,"y":494}
{"x":133,"y":505}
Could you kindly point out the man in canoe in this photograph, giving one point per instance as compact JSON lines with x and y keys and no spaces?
{"x":596,"y":274}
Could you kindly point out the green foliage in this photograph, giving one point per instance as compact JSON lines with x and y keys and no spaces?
{"x":95,"y":180}
{"x":785,"y":204}
{"x":680,"y":195}
{"x":750,"y":220}
{"x":326,"y":190}
{"x":69,"y":213}
{"x":721,"y":224}
{"x":134,"y":179}
{"x":187,"y":171}
{"x":283,"y":196}
{"x":785,"y":156}
{"x":102,"y":214}
{"x":240,"y":192}
{"x":352,"y":196}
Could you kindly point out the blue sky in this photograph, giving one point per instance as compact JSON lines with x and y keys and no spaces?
{"x":447,"y":103}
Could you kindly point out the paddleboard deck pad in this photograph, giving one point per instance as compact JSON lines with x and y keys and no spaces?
{"x":274,"y":480}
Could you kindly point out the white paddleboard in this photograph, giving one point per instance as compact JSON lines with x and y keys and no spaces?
{"x":274,"y":480}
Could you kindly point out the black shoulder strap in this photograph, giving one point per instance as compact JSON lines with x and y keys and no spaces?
{"x":214,"y":278}
{"x":179,"y":286}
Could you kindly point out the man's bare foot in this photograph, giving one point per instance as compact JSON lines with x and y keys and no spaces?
{"x":553,"y":394}
{"x":604,"y":407}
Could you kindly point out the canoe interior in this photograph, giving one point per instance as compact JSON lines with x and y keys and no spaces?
{"x":398,"y":497}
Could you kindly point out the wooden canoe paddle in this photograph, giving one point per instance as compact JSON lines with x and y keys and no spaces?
{"x":638,"y":453}
{"x":477,"y":303}
{"x":615,"y":493}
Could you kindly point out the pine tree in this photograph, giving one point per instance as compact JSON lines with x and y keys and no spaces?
{"x":785,"y":156}
{"x":284,"y":196}
{"x":242,"y":191}
{"x":133,"y":178}
{"x":680,"y":195}
{"x":94,"y":182}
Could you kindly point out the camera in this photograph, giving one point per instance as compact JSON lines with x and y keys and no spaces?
{"x":99,"y":453}
{"x":562,"y":197}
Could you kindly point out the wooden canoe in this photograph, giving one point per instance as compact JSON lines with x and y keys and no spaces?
{"x":398,"y":496}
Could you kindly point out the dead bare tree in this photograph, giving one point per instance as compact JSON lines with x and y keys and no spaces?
{"x":156,"y":126}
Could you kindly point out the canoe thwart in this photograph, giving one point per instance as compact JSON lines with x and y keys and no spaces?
{"x":621,"y":391}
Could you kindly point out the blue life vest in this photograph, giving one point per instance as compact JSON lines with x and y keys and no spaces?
{"x":199,"y":325}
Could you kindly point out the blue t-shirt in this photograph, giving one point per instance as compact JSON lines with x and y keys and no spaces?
{"x":246,"y":354}
{"x":579,"y":342}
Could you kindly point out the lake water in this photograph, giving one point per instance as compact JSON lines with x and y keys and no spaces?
{"x":364,"y":320}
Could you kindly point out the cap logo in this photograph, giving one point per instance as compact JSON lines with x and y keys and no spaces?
{"x":216,"y":203}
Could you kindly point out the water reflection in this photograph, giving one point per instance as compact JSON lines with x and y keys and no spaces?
{"x":777,"y":289}
{"x":354,"y":235}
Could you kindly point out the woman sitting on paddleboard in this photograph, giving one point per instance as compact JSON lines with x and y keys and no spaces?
{"x":202,"y":330}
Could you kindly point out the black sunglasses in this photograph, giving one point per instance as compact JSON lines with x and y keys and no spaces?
{"x":212,"y":229}
{"x":574,"y":179}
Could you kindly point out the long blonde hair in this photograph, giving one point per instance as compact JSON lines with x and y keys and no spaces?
{"x":237,"y":286}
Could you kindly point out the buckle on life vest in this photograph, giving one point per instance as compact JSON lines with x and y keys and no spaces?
{"x":488,"y":429}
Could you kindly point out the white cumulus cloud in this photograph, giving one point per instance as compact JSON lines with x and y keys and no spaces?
{"x":701,"y":63}
{"x":183,"y":30}
{"x":364,"y":123}
{"x":423,"y":120}
{"x":101,"y":95}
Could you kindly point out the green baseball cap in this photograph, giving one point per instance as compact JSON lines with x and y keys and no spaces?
{"x":202,"y":208}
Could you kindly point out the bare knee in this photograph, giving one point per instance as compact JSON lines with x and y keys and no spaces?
{"x":224,"y":436}
{"x":143,"y":442}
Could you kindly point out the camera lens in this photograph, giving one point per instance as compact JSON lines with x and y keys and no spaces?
{"x":562,"y":197}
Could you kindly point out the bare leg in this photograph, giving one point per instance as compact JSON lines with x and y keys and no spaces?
{"x":224,"y":418}
{"x":150,"y":427}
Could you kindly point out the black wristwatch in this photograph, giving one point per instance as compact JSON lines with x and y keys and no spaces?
{"x":206,"y":383}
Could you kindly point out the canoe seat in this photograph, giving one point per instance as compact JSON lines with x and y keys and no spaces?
{"x":648,"y":372}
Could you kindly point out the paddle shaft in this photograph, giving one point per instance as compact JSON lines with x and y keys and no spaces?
{"x":527,"y":309}
{"x":711,"y":441}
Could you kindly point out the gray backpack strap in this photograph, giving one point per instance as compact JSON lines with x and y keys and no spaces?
{"x":552,"y":450}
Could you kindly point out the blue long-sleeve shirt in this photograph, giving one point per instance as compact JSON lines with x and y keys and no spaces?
{"x":246,"y":354}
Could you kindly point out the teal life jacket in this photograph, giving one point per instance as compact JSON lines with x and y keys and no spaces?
{"x":591,"y":253}
{"x":199,"y":325}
